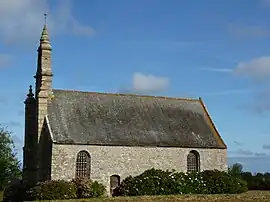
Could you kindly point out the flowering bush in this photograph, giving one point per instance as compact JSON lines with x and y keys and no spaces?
{"x":158,"y":182}
{"x":151,"y":182}
{"x":219,"y":182}
{"x":188,"y":183}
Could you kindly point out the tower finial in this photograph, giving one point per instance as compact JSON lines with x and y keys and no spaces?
{"x":30,"y":94}
{"x":45,"y":18}
{"x":44,"y":39}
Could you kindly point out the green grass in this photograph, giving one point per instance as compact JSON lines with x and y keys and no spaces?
{"x":251,"y":196}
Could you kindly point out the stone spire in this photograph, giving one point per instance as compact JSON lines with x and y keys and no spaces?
{"x":45,"y":43}
{"x":43,"y":90}
{"x":44,"y":70}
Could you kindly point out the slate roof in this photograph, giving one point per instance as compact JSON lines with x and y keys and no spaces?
{"x":76,"y":117}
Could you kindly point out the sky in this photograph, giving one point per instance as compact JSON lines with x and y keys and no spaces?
{"x":217,"y":50}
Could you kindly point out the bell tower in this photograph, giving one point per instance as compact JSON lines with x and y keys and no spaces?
{"x":43,"y":76}
{"x":43,"y":90}
{"x":36,"y":106}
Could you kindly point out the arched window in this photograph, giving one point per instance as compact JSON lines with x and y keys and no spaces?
{"x":114,"y":182}
{"x":83,"y":165}
{"x":193,"y":161}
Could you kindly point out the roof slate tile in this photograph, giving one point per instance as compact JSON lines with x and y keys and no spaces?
{"x":129,"y":120}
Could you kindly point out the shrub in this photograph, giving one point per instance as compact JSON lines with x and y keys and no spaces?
{"x":85,"y":188}
{"x":189,"y":183}
{"x":16,"y":192}
{"x":257,"y":182}
{"x":124,"y":188}
{"x":54,"y":189}
{"x":97,"y":190}
{"x":158,"y":182}
{"x":151,"y":182}
{"x":219,"y":182}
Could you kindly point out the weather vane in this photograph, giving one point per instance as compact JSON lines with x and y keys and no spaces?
{"x":45,"y":17}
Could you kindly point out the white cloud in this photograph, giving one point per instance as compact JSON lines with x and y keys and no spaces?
{"x":244,"y":152}
{"x":5,"y":60}
{"x":258,"y":68}
{"x":149,"y":83}
{"x":219,"y":70}
{"x":22,"y":20}
{"x":260,"y":154}
{"x":237,"y":143}
{"x":266,"y":146}
{"x":238,"y":30}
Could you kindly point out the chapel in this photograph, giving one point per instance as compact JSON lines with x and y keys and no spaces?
{"x":109,"y":136}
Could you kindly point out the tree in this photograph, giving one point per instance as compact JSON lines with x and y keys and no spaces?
{"x":9,"y":164}
{"x":236,"y":169}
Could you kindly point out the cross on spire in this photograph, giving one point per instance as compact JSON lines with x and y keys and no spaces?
{"x":44,"y":39}
{"x":45,"y":18}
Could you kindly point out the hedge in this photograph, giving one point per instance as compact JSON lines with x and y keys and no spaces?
{"x":258,"y":181}
{"x":54,"y":190}
{"x":150,"y":182}
{"x":158,"y":182}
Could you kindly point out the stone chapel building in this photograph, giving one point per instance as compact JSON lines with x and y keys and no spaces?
{"x":107,"y":137}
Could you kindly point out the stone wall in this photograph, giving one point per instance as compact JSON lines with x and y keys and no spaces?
{"x":125,"y":161}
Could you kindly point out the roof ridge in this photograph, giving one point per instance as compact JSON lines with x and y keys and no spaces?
{"x":131,"y":94}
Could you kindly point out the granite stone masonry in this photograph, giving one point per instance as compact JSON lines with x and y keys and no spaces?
{"x":125,"y":161}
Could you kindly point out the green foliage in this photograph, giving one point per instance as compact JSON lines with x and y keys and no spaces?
{"x":16,"y":192}
{"x":83,"y":187}
{"x":54,"y":189}
{"x":257,"y":182}
{"x":221,"y":182}
{"x":88,"y":189}
{"x":97,"y":190}
{"x":236,"y":170}
{"x":158,"y":182}
{"x":9,"y":164}
{"x":151,"y":182}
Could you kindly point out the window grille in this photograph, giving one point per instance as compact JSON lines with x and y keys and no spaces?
{"x":83,"y":165}
{"x":193,"y":162}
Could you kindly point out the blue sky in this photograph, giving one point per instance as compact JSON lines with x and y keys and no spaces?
{"x":218,"y":50}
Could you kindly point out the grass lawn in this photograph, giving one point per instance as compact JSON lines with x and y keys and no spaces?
{"x":256,"y":196}
{"x":251,"y":196}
